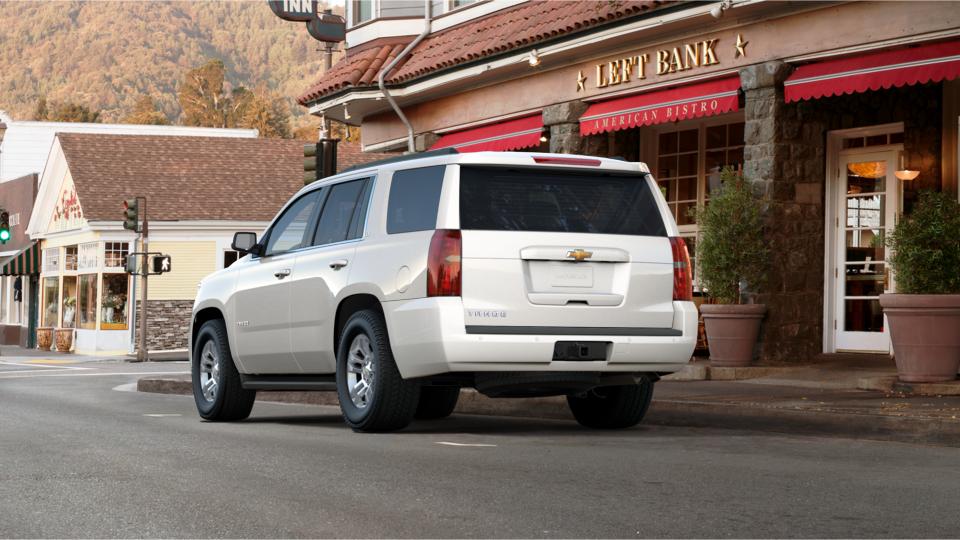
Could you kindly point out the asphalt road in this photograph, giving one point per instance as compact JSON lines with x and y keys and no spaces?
{"x":80,"y":457}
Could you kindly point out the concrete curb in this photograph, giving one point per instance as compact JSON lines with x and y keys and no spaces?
{"x":892,"y":384}
{"x":669,"y":412}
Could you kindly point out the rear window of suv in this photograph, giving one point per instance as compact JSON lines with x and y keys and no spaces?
{"x":504,"y":199}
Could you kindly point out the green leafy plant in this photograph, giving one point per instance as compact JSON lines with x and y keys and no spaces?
{"x":730,"y":247}
{"x":926,"y":246}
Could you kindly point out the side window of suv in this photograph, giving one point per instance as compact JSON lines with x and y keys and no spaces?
{"x":290,"y":231}
{"x":342,"y":214}
{"x":414,"y":198}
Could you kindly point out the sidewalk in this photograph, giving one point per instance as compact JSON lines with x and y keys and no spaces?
{"x":816,"y":399}
{"x":15,"y":353}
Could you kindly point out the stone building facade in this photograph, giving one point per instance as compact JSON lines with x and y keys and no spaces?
{"x":818,"y":104}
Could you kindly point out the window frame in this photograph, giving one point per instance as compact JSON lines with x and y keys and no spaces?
{"x":320,"y":194}
{"x":362,"y":202}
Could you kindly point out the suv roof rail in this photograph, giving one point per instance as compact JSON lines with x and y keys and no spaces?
{"x":404,"y":157}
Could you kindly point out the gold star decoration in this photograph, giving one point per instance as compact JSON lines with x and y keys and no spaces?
{"x":741,"y":46}
{"x":580,"y":81}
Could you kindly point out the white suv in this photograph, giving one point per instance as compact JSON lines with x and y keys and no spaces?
{"x":398,"y":283}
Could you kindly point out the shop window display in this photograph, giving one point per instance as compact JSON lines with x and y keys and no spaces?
{"x":69,"y":301}
{"x":114,"y":302}
{"x":87,"y":301}
{"x":51,"y":302}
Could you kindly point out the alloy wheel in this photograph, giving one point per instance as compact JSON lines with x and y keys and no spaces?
{"x":361,"y":371}
{"x":209,"y":371}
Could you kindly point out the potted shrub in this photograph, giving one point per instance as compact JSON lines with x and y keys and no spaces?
{"x":924,"y":314}
{"x":730,"y":253}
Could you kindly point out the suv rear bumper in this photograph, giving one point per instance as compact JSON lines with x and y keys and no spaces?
{"x":428,"y":337}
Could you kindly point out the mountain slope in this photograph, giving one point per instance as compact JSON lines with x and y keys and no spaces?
{"x":106,"y":54}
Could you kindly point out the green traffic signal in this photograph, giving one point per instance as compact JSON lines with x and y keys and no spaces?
{"x":4,"y":227}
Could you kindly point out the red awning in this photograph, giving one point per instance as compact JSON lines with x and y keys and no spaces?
{"x":691,"y":101}
{"x":873,"y":71}
{"x":509,"y":135}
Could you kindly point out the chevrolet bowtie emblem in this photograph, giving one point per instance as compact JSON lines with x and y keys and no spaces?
{"x":579,"y":255}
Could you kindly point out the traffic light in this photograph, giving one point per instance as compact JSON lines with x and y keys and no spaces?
{"x":319,"y":160}
{"x":131,"y":214}
{"x":4,"y":227}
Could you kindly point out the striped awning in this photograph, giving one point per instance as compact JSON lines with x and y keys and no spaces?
{"x":690,"y":101}
{"x":872,"y":71}
{"x":503,"y":136}
{"x":26,"y":262}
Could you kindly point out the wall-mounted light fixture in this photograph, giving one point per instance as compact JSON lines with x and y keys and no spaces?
{"x":533,"y":58}
{"x":346,"y":113}
{"x":903,"y":173}
{"x":718,"y":10}
{"x":543,"y":137}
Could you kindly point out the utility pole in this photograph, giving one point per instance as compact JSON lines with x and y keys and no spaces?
{"x":142,"y":355}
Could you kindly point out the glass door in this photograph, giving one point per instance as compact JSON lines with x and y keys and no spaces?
{"x":867,"y":202}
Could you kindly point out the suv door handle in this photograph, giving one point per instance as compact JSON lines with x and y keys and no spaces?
{"x":282,"y":273}
{"x":338,"y":264}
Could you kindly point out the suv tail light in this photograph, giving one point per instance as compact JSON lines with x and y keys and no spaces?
{"x":682,"y":280}
{"x":443,"y":263}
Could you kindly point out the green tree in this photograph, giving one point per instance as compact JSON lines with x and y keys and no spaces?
{"x":731,"y":248}
{"x":202,"y":98}
{"x":145,"y":112}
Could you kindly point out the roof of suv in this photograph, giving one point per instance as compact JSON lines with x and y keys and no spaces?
{"x":516,"y":159}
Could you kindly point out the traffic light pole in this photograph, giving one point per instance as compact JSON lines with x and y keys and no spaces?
{"x":142,"y":355}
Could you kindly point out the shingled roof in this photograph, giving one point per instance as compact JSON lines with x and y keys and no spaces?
{"x":522,"y":26}
{"x":183,"y":178}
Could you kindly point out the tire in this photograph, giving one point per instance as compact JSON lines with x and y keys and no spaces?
{"x":225,"y":399}
{"x":612,"y":407}
{"x":372,"y":394}
{"x":437,"y":402}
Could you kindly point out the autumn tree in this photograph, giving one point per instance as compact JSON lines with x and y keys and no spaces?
{"x":265,"y":111}
{"x":145,"y":112}
{"x":202,"y":98}
{"x":64,"y":112}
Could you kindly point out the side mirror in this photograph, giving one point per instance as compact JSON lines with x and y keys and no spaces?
{"x":245,"y":242}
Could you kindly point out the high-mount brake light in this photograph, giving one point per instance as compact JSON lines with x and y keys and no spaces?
{"x":443,"y":263}
{"x":682,"y":280}
{"x":583,"y":162}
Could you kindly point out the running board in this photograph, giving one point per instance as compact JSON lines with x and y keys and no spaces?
{"x":289,"y":383}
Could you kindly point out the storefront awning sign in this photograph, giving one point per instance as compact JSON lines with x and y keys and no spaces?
{"x":26,"y":262}
{"x":507,"y":135}
{"x":661,"y":106}
{"x":927,"y":63}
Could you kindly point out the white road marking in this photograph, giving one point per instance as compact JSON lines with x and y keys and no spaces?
{"x":162,"y":415}
{"x":129,"y":387}
{"x":41,"y":366}
{"x":48,"y":374}
{"x":445,"y":443}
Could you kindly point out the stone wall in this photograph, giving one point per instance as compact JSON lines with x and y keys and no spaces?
{"x":168,"y":323}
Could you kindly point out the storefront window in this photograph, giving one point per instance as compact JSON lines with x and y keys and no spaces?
{"x":114,"y":302}
{"x":115,"y":254}
{"x":51,"y":260}
{"x":87,"y":301}
{"x":689,"y":160}
{"x":69,"y":301}
{"x":70,"y":258}
{"x":4,"y":297}
{"x":89,"y":256}
{"x":51,"y":301}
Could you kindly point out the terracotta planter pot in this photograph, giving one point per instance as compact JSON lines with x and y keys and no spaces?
{"x":44,"y":338}
{"x":925,"y":331}
{"x":732,"y":330}
{"x":64,"y":339}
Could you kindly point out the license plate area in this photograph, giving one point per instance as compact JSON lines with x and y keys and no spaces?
{"x":580,"y":351}
{"x":571,"y":275}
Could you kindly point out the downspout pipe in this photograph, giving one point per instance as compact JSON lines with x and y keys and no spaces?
{"x":411,"y":148}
